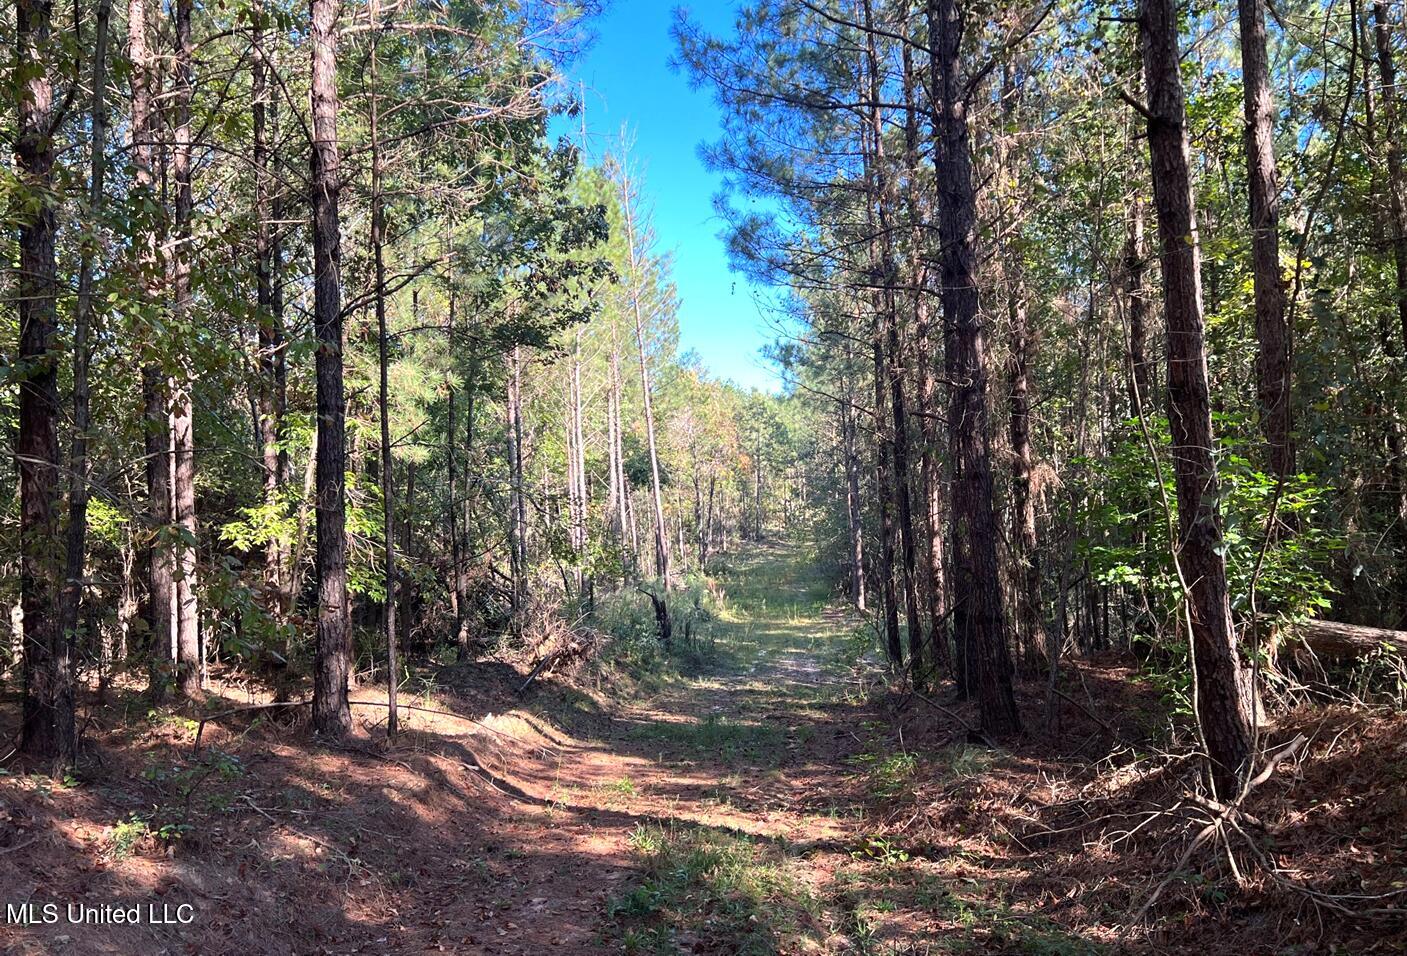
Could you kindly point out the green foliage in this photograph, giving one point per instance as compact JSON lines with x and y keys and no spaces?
{"x":128,"y":835}
{"x":1129,"y":540}
{"x":628,"y":617}
{"x":880,"y":850}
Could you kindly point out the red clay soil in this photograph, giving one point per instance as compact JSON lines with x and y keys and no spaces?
{"x":500,"y":834}
{"x":512,"y":827}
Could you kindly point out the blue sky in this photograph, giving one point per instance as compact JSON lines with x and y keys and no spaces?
{"x":629,"y":81}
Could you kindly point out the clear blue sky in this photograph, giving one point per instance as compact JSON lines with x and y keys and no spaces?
{"x":629,"y":82}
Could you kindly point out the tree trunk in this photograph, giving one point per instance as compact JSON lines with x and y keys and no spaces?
{"x":854,"y":521}
{"x":458,"y":597}
{"x":407,"y":527}
{"x":1026,"y":557}
{"x":757,"y":486}
{"x":517,"y":507}
{"x":1397,"y":181}
{"x":71,"y":596}
{"x":979,"y":618}
{"x":1023,"y":505}
{"x":1272,"y":332}
{"x":883,"y":461}
{"x":886,"y":277}
{"x":1334,"y":640}
{"x":636,"y":291}
{"x":47,"y":732}
{"x":273,"y":373}
{"x":189,"y":654}
{"x":576,"y":435}
{"x":1135,"y":252}
{"x":1392,"y":228}
{"x":931,"y":555}
{"x":388,"y":490}
{"x":1223,"y":688}
{"x":157,"y":432}
{"x":333,"y":657}
{"x":619,"y":494}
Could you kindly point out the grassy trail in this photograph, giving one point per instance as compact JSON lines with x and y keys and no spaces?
{"x":712,"y":814}
{"x":747,"y":809}
{"x":761,"y":798}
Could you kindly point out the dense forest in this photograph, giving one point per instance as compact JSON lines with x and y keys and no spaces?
{"x":340,"y":366}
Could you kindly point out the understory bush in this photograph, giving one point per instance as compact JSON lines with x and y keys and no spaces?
{"x":628,"y":618}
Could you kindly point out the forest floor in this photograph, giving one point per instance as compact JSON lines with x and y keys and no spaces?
{"x":776,"y":799}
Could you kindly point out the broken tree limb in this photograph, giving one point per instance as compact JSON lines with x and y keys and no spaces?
{"x":220,"y":715}
{"x":541,"y":666}
{"x":662,"y":621}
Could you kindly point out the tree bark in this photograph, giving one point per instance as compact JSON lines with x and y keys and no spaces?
{"x":854,"y":520}
{"x":1135,"y":253}
{"x":157,"y":431}
{"x":517,"y":506}
{"x":47,"y":731}
{"x":979,"y":618}
{"x":189,"y":652}
{"x":931,"y":554}
{"x":273,"y":367}
{"x":388,"y":489}
{"x":577,"y":472}
{"x":1397,"y":181}
{"x":1273,"y":373}
{"x":332,"y":662}
{"x":1023,"y":505}
{"x":1223,"y":688}
{"x":886,"y":277}
{"x":637,"y":309}
{"x":80,"y":467}
{"x":618,"y":494}
{"x":1025,"y":553}
{"x":1334,"y":640}
{"x":883,"y":463}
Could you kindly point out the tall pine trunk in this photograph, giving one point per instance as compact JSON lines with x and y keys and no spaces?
{"x":157,"y":424}
{"x":884,"y":493}
{"x":388,"y":490}
{"x":636,"y":292}
{"x":332,"y":663}
{"x":979,"y":616}
{"x":931,"y":554}
{"x":1135,"y":253}
{"x":273,"y":373}
{"x":1397,"y":179}
{"x":854,"y":522}
{"x":886,"y":276}
{"x":47,"y":732}
{"x":80,"y":467}
{"x":1026,"y":557}
{"x":1223,"y":688}
{"x":1272,"y":332}
{"x":517,"y":504}
{"x":189,"y":653}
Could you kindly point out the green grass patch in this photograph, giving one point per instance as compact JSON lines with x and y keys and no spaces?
{"x":714,"y":736}
{"x":740,"y":894}
{"x":887,"y":775}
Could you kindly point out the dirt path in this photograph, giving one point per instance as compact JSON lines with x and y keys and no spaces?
{"x":706,"y":779}
{"x":709,"y":815}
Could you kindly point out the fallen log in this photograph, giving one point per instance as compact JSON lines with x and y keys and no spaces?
{"x":1334,"y":640}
